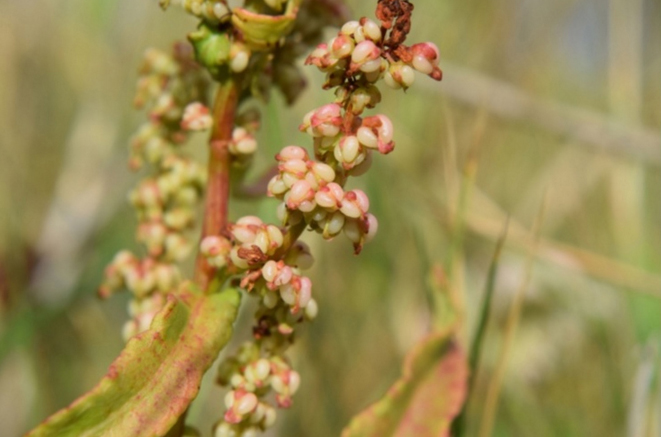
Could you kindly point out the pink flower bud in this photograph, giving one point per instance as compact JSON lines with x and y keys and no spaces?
{"x":276,"y":187}
{"x":371,"y":30}
{"x":364,"y":52}
{"x":311,"y":310}
{"x":347,"y":150}
{"x":239,"y":57}
{"x":269,"y":270}
{"x":320,"y":57}
{"x":341,"y":46}
{"x":196,"y":117}
{"x":330,"y":196}
{"x":300,"y":192}
{"x":296,"y":167}
{"x":372,"y":227}
{"x":305,"y":292}
{"x":382,"y":127}
{"x":242,"y":142}
{"x":425,"y":59}
{"x":288,"y":294}
{"x":283,"y":276}
{"x":355,"y":204}
{"x":323,"y":172}
{"x":334,"y":225}
{"x":350,"y":27}
{"x":292,"y":152}
{"x":324,"y":121}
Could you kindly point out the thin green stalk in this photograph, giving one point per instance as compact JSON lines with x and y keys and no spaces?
{"x":459,"y":424}
{"x":513,"y":317}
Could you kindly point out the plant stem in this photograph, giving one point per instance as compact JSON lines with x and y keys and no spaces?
{"x":459,"y":424}
{"x":218,"y":184}
{"x":512,"y":324}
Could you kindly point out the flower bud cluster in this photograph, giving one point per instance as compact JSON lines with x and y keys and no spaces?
{"x":213,"y":11}
{"x":170,"y":90}
{"x":308,"y":193}
{"x":166,"y":200}
{"x":344,"y":139}
{"x":313,"y":195}
{"x":361,"y":53}
{"x":251,"y":378}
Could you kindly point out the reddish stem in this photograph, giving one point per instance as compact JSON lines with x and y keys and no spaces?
{"x":218,"y":184}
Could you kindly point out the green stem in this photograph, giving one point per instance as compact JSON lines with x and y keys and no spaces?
{"x":459,"y":424}
{"x":218,"y":184}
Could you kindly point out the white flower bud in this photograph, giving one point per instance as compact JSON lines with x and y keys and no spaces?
{"x":196,"y":117}
{"x":245,"y":404}
{"x":224,"y":429}
{"x":367,"y":137}
{"x":288,"y":294}
{"x":276,"y":186}
{"x":334,"y":224}
{"x":373,"y":227}
{"x":364,"y":52}
{"x":311,"y":310}
{"x":296,"y":167}
{"x":269,"y":270}
{"x":294,"y":382}
{"x":239,"y":57}
{"x":236,"y":260}
{"x":250,"y":432}
{"x":292,"y":152}
{"x":341,"y":46}
{"x":350,"y":27}
{"x":220,"y":10}
{"x":269,"y":417}
{"x":323,"y":172}
{"x":305,"y":292}
{"x":347,"y":150}
{"x":371,"y":30}
{"x":352,"y":231}
{"x":229,"y":399}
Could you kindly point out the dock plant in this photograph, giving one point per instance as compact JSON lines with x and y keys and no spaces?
{"x":178,"y":323}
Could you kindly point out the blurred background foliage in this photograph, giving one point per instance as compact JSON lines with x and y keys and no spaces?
{"x":540,"y":99}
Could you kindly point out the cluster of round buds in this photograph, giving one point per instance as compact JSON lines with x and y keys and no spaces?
{"x":308,"y":192}
{"x":214,"y":11}
{"x":142,"y":277}
{"x":354,"y":51}
{"x":298,"y":179}
{"x":167,"y":89}
{"x":251,"y":378}
{"x":243,"y":143}
{"x":216,"y":250}
{"x":142,"y":312}
{"x":292,"y":288}
{"x":254,"y":242}
{"x":360,"y":51}
{"x":196,"y":117}
{"x":351,"y":148}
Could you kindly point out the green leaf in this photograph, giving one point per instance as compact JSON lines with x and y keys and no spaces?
{"x":425,"y":400}
{"x":260,"y":31}
{"x":157,"y":375}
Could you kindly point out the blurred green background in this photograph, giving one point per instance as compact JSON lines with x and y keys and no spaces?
{"x":559,"y":99}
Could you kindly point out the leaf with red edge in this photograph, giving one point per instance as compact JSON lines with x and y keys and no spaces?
{"x":150,"y":385}
{"x":425,"y":400}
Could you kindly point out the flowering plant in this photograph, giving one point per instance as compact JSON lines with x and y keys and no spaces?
{"x":177,"y":325}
